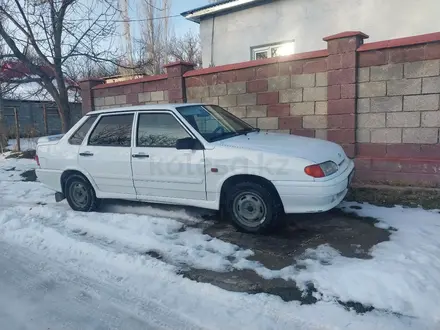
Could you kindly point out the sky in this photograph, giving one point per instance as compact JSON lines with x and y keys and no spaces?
{"x":180,"y":24}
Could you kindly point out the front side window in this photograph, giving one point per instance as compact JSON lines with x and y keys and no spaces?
{"x":78,"y":137}
{"x":159,"y":130}
{"x":213,"y":122}
{"x":112,"y":131}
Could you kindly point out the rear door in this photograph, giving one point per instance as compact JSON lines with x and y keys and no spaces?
{"x":159,"y":169}
{"x":106,"y":155}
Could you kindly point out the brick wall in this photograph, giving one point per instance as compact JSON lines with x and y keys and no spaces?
{"x":287,"y":96}
{"x":398,"y":116}
{"x":150,"y":90}
{"x":380,"y":100}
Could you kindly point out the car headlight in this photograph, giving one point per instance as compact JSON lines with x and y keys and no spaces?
{"x":321,"y":170}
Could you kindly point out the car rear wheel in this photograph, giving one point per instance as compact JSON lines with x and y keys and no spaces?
{"x":80,"y":194}
{"x":253,"y":208}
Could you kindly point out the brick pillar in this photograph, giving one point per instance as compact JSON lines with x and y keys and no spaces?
{"x":342,"y":66}
{"x":86,"y":87}
{"x":176,"y":82}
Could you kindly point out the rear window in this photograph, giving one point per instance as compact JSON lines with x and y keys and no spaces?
{"x":78,"y":137}
{"x":112,"y":131}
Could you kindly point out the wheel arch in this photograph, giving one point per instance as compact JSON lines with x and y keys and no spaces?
{"x":73,"y":171}
{"x":237,"y":178}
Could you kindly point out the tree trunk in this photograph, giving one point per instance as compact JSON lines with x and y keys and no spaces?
{"x":65,"y":114}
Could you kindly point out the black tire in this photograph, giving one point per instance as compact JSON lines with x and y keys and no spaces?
{"x":259,"y":197}
{"x":80,"y":194}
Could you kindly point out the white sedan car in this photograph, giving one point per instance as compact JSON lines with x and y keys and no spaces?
{"x":193,"y":154}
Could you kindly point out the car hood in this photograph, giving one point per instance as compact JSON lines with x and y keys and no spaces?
{"x":315,"y":150}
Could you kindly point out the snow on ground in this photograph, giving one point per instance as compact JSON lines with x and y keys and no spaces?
{"x":109,"y":253}
{"x":10,"y":169}
{"x":25,"y":144}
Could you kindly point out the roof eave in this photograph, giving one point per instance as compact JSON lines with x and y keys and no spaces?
{"x":196,"y":15}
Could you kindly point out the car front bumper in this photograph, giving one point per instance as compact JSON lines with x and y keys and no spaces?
{"x":316,"y":196}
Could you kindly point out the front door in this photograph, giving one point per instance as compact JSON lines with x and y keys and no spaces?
{"x":106,"y":155}
{"x":159,"y":169}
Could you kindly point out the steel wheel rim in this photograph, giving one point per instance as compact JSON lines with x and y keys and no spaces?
{"x":79,"y":194}
{"x":249,"y":209}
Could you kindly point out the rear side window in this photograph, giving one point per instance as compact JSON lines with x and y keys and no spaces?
{"x":112,"y":131}
{"x":78,"y":137}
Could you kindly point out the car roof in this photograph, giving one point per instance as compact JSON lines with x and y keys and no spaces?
{"x":165,"y":106}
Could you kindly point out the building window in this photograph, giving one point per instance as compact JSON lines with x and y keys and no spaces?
{"x":272,"y":50}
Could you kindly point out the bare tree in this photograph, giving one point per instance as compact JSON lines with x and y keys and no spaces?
{"x":186,"y":48}
{"x":47,"y":35}
{"x":155,"y":30}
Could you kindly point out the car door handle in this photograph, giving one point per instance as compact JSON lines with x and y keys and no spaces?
{"x":86,"y":154}
{"x":140,"y":156}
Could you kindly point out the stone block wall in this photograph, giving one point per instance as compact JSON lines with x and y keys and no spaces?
{"x":380,"y":101}
{"x":150,"y":90}
{"x":289,"y":96}
{"x":398,"y":112}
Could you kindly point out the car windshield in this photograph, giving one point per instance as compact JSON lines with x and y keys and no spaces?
{"x":213,"y":122}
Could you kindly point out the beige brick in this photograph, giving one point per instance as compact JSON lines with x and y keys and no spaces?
{"x":321,"y":134}
{"x":315,"y":121}
{"x":247,"y":99}
{"x":403,"y":119}
{"x":371,"y":120}
{"x":420,"y":135}
{"x":121,"y":99}
{"x":157,"y":96}
{"x":240,"y":112}
{"x":144,"y":97}
{"x":251,"y":121}
{"x":363,"y":105}
{"x":303,"y":80}
{"x":363,"y":74}
{"x":210,"y":100}
{"x":404,"y":87}
{"x":267,"y":123}
{"x":217,"y":90}
{"x":431,"y":119}
{"x":165,"y":95}
{"x":386,"y":104}
{"x":421,"y":102}
{"x":363,"y":135}
{"x":99,"y":101}
{"x":109,"y":100}
{"x":291,"y":95}
{"x":236,"y":88}
{"x":386,"y":72}
{"x":372,"y":89}
{"x":194,"y":101}
{"x":321,"y":79}
{"x":278,"y":83}
{"x":163,"y":101}
{"x":321,"y":108}
{"x":282,"y":131}
{"x":422,"y":69}
{"x":431,"y":85}
{"x":302,"y":108}
{"x":227,"y":100}
{"x":386,"y":135}
{"x":256,"y":111}
{"x":315,"y":94}
{"x":198,"y":92}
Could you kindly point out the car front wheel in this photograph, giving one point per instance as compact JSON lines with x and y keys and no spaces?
{"x":80,"y":194}
{"x":253,"y":208}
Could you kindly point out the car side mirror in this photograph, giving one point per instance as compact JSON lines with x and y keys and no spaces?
{"x":186,"y":144}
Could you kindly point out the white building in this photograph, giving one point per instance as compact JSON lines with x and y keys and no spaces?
{"x":240,"y":30}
